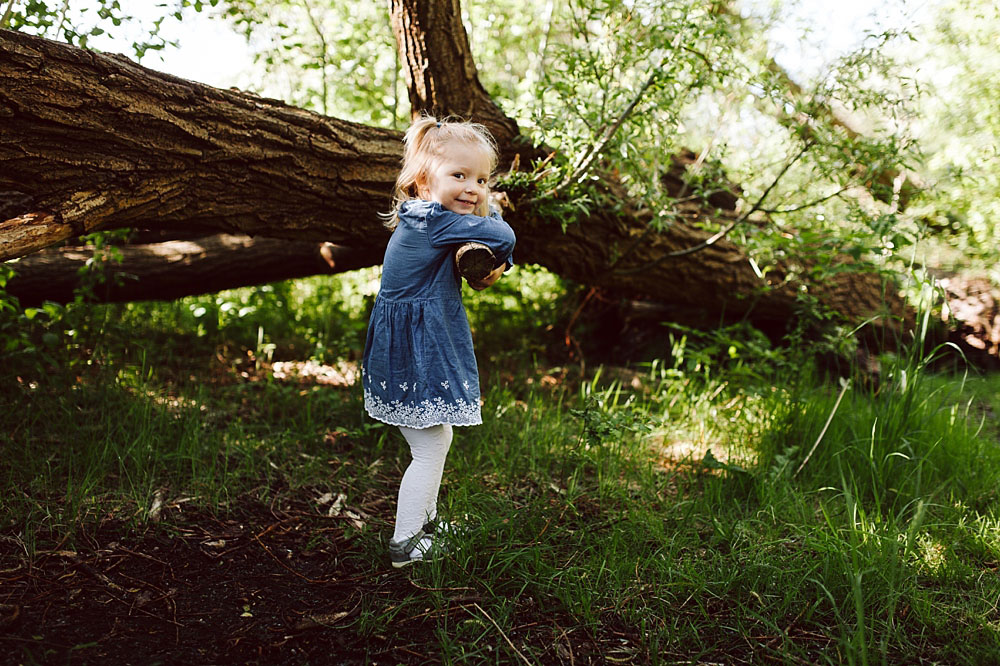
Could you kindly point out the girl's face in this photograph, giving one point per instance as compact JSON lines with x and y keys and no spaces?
{"x":457,"y":179}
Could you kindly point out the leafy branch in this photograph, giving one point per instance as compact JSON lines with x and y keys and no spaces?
{"x":810,"y":204}
{"x":597,"y":149}
{"x":722,"y":233}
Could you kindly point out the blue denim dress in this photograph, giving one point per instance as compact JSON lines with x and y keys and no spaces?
{"x":419,"y":368}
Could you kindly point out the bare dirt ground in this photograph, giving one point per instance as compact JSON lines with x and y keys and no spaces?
{"x":257,"y":586}
{"x":254,"y":586}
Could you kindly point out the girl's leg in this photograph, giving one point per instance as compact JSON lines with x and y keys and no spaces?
{"x":418,"y":490}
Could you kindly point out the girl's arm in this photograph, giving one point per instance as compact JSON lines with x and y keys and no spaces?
{"x":446,"y":228}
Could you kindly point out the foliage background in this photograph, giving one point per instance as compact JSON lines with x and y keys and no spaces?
{"x":718,"y":487}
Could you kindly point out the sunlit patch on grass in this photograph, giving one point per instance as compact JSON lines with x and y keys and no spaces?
{"x":932,"y":554}
{"x":671,"y":450}
{"x":175,"y":403}
{"x":343,"y":373}
{"x":686,"y":450}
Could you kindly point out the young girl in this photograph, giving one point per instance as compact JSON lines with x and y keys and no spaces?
{"x":419,"y":370}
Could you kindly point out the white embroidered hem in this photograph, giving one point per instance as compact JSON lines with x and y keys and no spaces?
{"x":423,"y":415}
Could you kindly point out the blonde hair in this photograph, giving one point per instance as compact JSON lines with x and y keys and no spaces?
{"x":424,"y":142}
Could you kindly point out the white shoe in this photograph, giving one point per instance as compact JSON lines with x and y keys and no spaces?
{"x":417,"y":548}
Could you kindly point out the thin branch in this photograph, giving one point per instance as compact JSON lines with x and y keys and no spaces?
{"x":682,"y":196}
{"x":722,"y":233}
{"x":535,"y":73}
{"x":793,"y":209}
{"x":596,"y":150}
{"x":845,"y":384}
{"x":774,"y":183}
{"x":700,"y":55}
{"x":6,"y":14}
{"x":642,"y":237}
{"x":395,"y":82}
{"x":61,"y":30}
{"x":649,"y":227}
{"x":323,"y":59}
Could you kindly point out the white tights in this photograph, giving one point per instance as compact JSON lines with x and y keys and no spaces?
{"x":418,"y":490}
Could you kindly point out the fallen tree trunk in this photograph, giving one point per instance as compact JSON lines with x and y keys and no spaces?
{"x":90,"y":141}
{"x":174,"y":269}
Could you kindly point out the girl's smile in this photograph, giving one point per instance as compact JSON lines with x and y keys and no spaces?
{"x":457,"y":180}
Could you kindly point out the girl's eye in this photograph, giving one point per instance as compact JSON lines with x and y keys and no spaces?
{"x":481,"y":181}
{"x":459,"y":175}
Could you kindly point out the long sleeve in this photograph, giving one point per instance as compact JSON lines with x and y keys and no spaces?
{"x":447,"y":228}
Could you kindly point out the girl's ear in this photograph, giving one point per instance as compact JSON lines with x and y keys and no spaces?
{"x":420,"y":184}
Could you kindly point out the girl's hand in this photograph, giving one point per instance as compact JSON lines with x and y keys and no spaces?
{"x":487,"y":281}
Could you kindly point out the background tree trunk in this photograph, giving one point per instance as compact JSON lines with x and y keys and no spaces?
{"x":178,"y":268}
{"x":441,"y":74}
{"x":613,"y":247}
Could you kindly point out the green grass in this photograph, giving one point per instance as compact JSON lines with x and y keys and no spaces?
{"x":830,"y":567}
{"x":601,"y":517}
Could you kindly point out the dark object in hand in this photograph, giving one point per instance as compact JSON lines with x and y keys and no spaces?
{"x":474,"y":261}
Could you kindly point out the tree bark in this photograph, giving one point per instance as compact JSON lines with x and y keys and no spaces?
{"x":441,"y":74}
{"x":174,"y":269}
{"x":90,"y":141}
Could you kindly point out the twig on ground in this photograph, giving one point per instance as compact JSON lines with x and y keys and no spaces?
{"x":439,"y":611}
{"x":148,"y":557}
{"x":509,"y":642}
{"x":441,"y":589}
{"x":285,"y":566}
{"x":569,"y":644}
{"x":409,"y":651}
